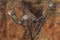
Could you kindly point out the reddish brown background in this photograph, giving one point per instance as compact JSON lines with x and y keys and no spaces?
{"x":9,"y":30}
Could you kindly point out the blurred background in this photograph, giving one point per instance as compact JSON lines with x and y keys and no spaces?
{"x":9,"y":30}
